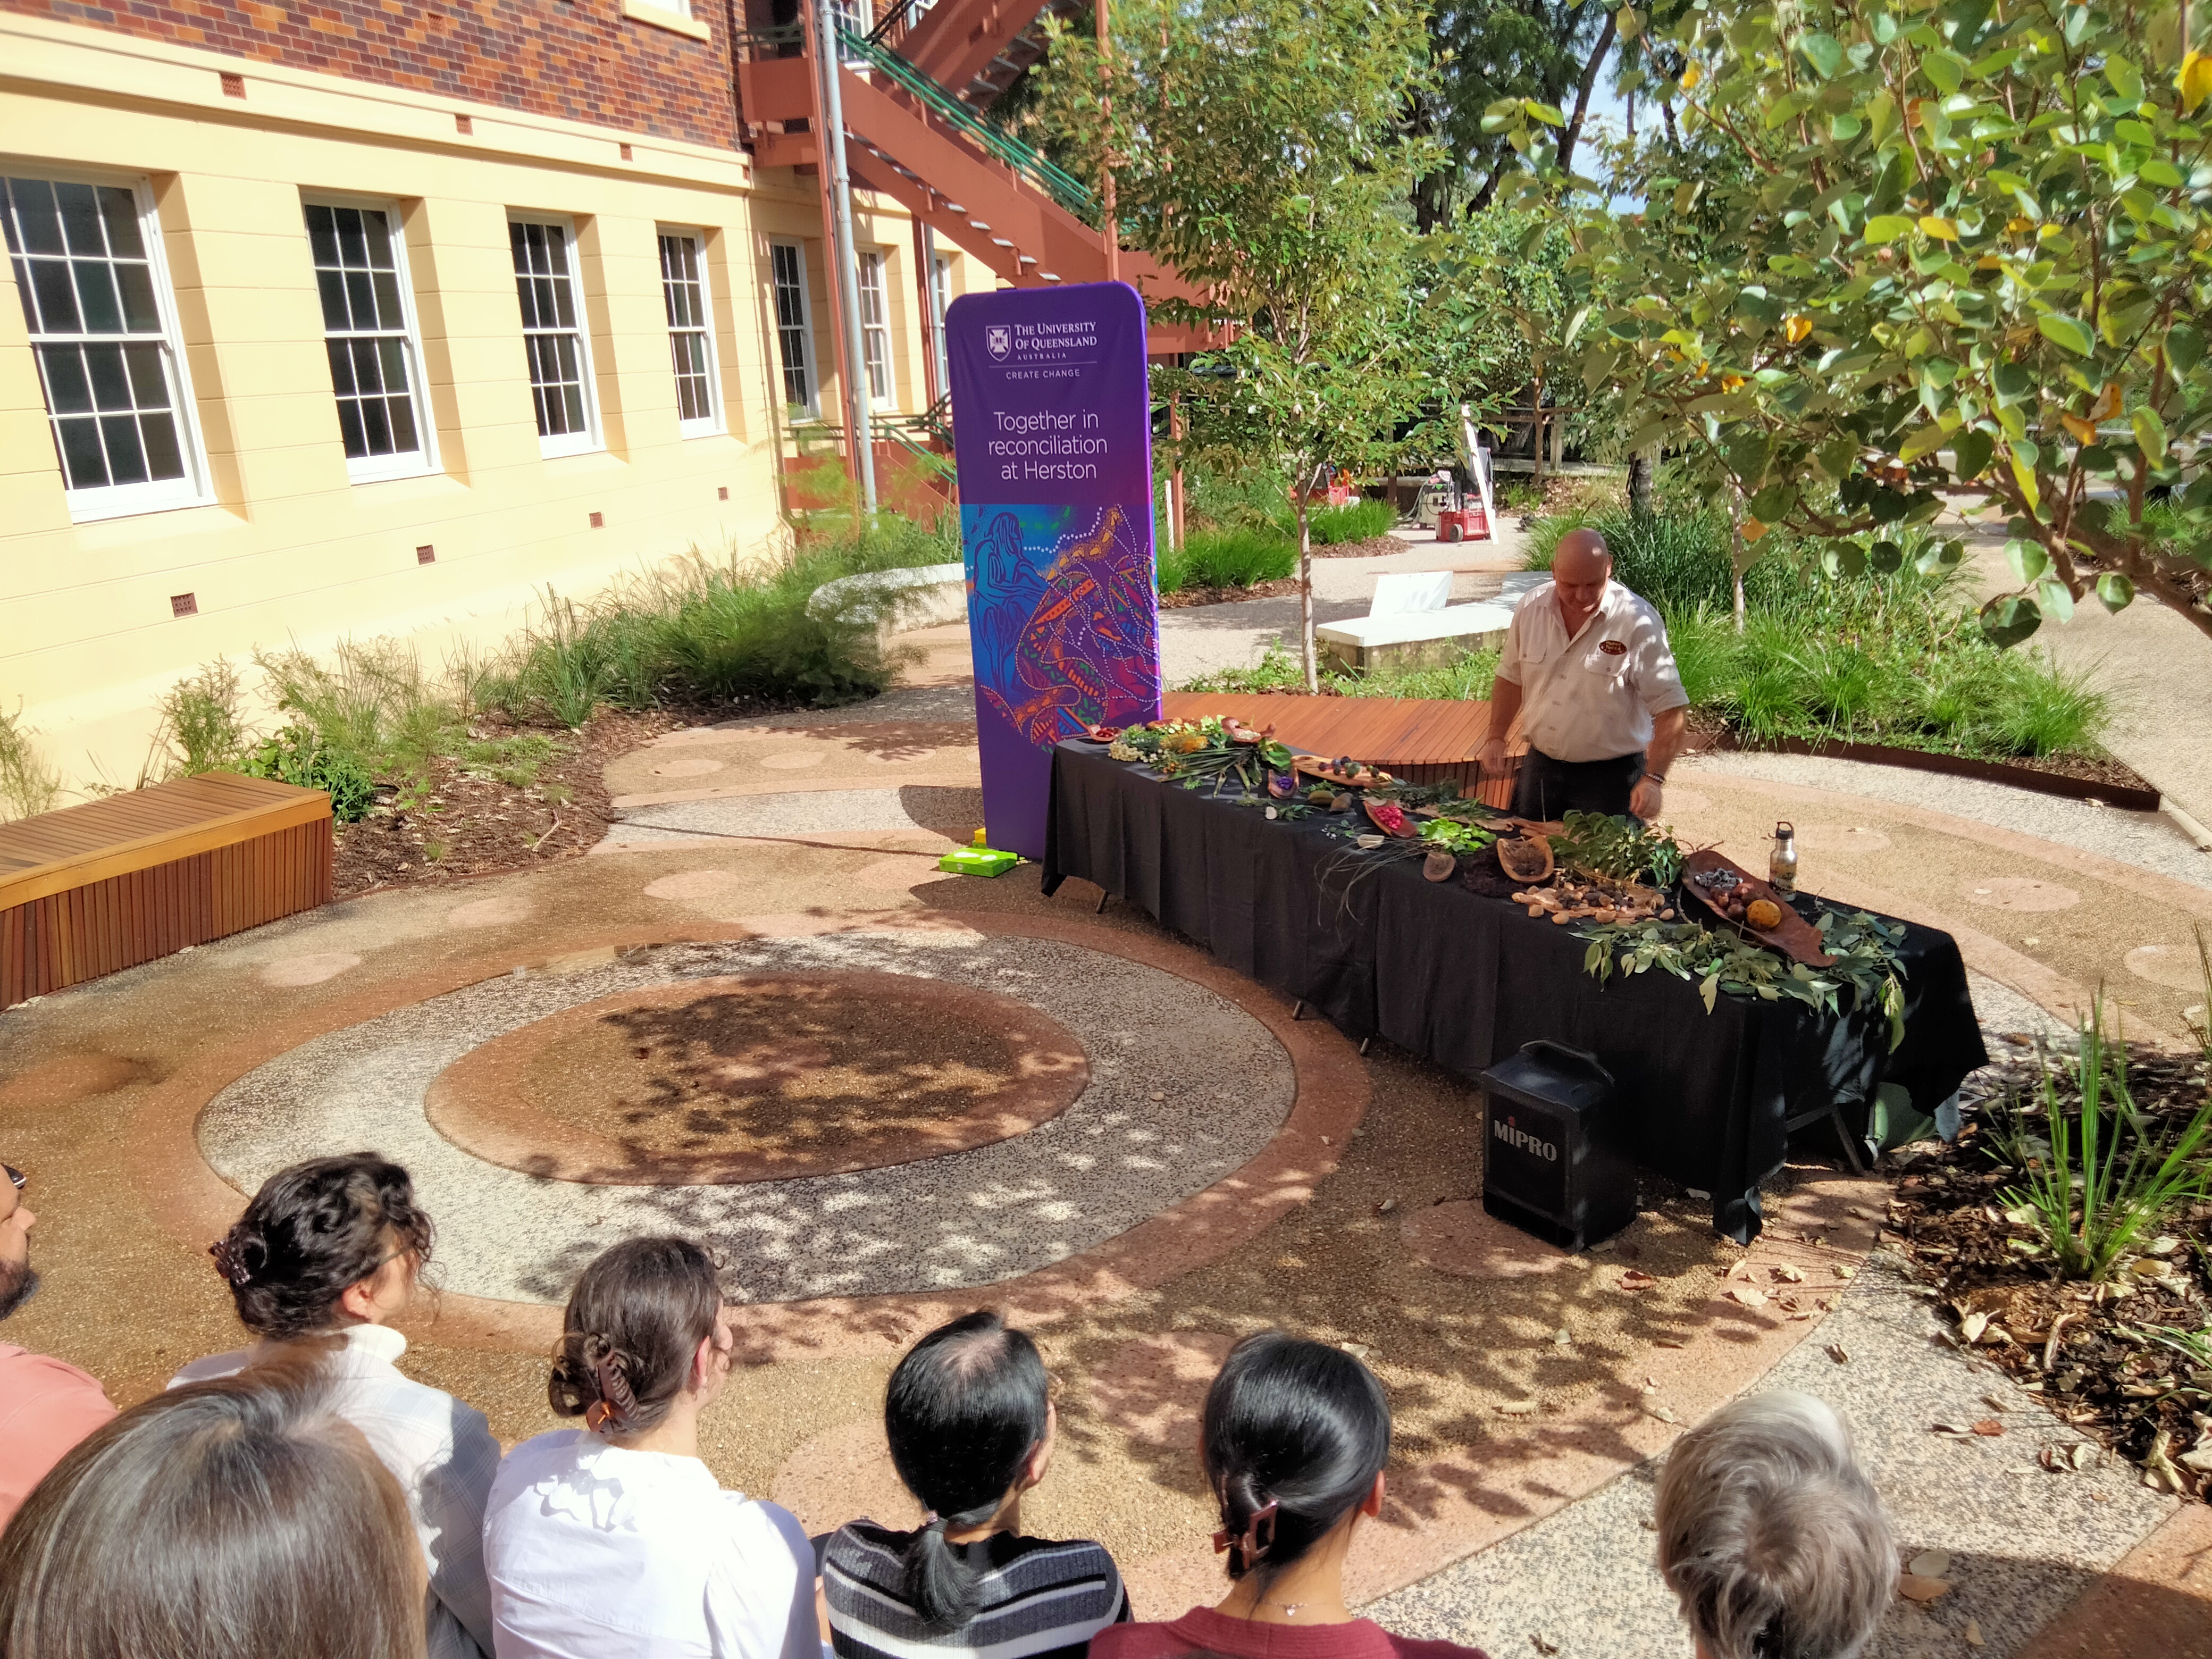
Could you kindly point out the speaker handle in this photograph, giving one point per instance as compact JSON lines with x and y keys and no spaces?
{"x":1582,"y":1055}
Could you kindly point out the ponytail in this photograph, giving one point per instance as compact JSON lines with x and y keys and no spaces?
{"x":965,"y":1409}
{"x":1293,"y":1435}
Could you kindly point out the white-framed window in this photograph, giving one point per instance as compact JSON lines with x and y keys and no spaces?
{"x":794,"y":325}
{"x":875,"y":328}
{"x":553,"y":334}
{"x":940,"y":301}
{"x":86,"y":256}
{"x":374,"y":344}
{"x":691,"y":332}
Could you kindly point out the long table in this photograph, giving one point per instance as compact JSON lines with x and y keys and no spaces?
{"x":1462,"y":980}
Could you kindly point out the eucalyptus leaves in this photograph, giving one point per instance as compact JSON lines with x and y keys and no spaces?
{"x":1865,"y":949}
{"x":1893,"y":255}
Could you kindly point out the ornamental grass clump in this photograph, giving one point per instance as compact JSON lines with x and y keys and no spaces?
{"x":2111,"y":1173}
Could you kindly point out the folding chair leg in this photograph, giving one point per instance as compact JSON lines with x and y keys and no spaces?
{"x":1298,"y":1009}
{"x":1101,"y":910}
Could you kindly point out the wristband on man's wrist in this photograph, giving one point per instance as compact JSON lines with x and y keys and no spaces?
{"x":1655,"y":777}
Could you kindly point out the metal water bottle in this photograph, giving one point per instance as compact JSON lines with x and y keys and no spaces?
{"x":1782,"y":863}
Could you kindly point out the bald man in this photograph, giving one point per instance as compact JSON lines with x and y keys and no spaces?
{"x":1588,"y":662}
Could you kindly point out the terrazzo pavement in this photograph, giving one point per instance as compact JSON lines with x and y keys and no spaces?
{"x":2023,"y":1544}
{"x":1138,"y":1140}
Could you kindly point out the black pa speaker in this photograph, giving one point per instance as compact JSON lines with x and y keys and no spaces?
{"x":1553,"y":1164}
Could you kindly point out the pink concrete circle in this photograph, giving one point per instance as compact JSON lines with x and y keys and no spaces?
{"x":2021,"y":893}
{"x":308,"y":969}
{"x":1152,"y":1389}
{"x":2175,"y":965}
{"x":1832,"y":838}
{"x":897,"y":874}
{"x":792,"y":760}
{"x":491,"y":912}
{"x":691,"y":766}
{"x":1461,"y":1238}
{"x":692,"y":884}
{"x":757,"y":1077}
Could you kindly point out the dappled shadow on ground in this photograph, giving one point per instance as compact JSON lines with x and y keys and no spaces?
{"x":955,"y":812}
{"x":757,"y":1078}
{"x":887,"y":740}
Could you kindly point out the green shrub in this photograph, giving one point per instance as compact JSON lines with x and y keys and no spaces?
{"x":727,"y":631}
{"x":2109,"y":1179}
{"x":1237,"y":558}
{"x":297,"y":757}
{"x":1355,"y":521}
{"x":203,"y":721}
{"x":1256,"y":498}
{"x":1170,"y":569}
{"x":28,"y":783}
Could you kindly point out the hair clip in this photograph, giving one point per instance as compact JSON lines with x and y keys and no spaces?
{"x":1251,"y":1545}
{"x":599,"y":1417}
{"x":228,"y":1264}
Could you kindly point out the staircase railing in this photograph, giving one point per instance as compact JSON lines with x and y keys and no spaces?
{"x":1063,"y":187}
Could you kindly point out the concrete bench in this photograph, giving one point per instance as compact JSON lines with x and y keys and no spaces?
{"x":1428,"y":639}
{"x":895,"y":601}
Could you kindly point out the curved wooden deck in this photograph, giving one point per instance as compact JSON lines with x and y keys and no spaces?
{"x":1423,"y":740}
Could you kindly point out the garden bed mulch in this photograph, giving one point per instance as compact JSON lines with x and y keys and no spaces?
{"x":2080,"y":777}
{"x":2092,"y":1352}
{"x":1373,"y":547}
{"x":1184,"y":597}
{"x":459,"y":823}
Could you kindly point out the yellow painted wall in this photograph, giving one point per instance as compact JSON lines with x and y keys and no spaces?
{"x":291,"y":551}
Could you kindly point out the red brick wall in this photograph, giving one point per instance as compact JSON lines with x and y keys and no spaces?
{"x":579,"y":59}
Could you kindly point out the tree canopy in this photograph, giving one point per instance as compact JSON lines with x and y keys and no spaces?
{"x":1904,"y":254}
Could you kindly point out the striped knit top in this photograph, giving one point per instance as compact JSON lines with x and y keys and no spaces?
{"x":1039,"y":1599}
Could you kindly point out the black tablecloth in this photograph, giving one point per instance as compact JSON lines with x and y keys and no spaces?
{"x":1462,"y":980}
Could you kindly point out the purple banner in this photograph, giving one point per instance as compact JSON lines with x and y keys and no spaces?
{"x":1052,"y":432}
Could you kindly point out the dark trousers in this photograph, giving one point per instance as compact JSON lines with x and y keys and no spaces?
{"x":1549,"y":789}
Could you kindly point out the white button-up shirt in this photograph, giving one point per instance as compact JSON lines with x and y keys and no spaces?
{"x":597,"y":1552}
{"x":441,"y":1452}
{"x":1590,"y":697}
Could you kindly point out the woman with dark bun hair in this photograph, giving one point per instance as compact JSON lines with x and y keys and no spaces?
{"x":329,"y":1252}
{"x":971,"y":1428}
{"x":614,"y":1540}
{"x":1293,"y":1441}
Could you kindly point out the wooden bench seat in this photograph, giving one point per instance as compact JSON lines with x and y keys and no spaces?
{"x":89,"y":889}
{"x":1423,"y":740}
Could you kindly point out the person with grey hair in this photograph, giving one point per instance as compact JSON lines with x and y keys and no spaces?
{"x":46,"y":1405}
{"x":244,"y":1517}
{"x":1771,"y":1534}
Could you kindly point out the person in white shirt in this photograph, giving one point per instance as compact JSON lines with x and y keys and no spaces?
{"x":615,"y":1540}
{"x":328,"y":1253}
{"x":1588,"y":669}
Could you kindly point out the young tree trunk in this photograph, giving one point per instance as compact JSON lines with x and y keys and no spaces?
{"x":1640,"y":483}
{"x":1736,"y":551}
{"x":1305,"y":596}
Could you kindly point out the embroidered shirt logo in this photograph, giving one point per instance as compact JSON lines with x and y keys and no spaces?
{"x":1613,"y":647}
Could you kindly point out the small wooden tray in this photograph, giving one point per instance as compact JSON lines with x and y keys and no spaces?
{"x":1796,"y":937}
{"x":1323,"y":770}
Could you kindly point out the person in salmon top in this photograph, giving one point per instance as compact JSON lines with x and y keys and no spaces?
{"x":45,"y":1406}
{"x":1294,"y":1438}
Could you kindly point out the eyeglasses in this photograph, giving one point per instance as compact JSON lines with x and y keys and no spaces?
{"x":17,"y":1178}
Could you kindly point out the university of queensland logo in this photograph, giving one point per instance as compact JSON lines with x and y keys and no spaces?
{"x":999,"y":341}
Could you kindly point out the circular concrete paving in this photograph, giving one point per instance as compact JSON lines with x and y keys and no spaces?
{"x":718,"y":1082}
{"x":1180,"y":1088}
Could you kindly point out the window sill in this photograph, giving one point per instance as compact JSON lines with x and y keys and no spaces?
{"x":359,"y":473}
{"x":88,"y":508}
{"x":561,"y":448}
{"x":687,"y":430}
{"x":664,"y":17}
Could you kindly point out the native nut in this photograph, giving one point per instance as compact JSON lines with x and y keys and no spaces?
{"x":1561,"y":918}
{"x":1763,"y":913}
